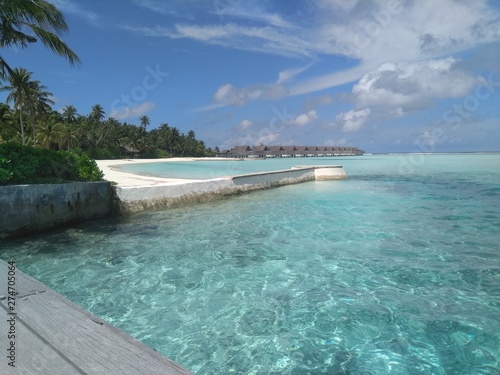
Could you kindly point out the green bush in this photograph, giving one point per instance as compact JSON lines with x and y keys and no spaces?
{"x":86,"y":168}
{"x":102,"y":153}
{"x":155,"y":154}
{"x":5,"y":173}
{"x":28,"y":165}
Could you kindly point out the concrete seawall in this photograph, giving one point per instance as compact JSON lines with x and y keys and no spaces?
{"x":132,"y":199}
{"x":28,"y":209}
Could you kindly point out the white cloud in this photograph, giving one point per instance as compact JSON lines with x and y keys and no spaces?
{"x":265,"y":39}
{"x":427,"y":139}
{"x":240,"y":9}
{"x":243,"y":125}
{"x":336,"y":142}
{"x":227,"y":94}
{"x":376,"y":30}
{"x":303,"y":119}
{"x":352,"y":120}
{"x":129,"y":112}
{"x":175,"y":8}
{"x":371,"y":32}
{"x":289,"y":74}
{"x":345,"y":6}
{"x":73,"y":7}
{"x":264,"y":136}
{"x":406,"y":87}
{"x":411,"y":32}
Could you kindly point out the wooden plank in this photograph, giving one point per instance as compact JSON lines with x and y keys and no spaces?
{"x":54,"y":330}
{"x":33,"y":357}
{"x":28,"y":286}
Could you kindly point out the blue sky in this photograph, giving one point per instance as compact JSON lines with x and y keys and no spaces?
{"x":385,"y":76}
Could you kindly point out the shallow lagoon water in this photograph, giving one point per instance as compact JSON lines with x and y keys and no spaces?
{"x":393,"y":271}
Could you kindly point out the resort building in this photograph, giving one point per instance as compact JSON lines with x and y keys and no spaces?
{"x":263,"y":151}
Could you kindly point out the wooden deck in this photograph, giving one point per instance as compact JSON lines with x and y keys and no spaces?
{"x":55,"y":336}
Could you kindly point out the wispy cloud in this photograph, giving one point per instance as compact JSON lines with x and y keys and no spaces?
{"x":244,"y":125}
{"x":175,"y":8}
{"x":130,"y":112}
{"x":336,"y":142}
{"x":289,"y":74}
{"x":241,"y":10}
{"x":265,"y":39}
{"x":370,"y":32}
{"x":227,"y":94}
{"x":75,"y":8}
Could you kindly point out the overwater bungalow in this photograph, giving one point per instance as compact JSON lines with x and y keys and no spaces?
{"x":289,"y":151}
{"x":311,"y":151}
{"x":263,"y":151}
{"x":240,"y":152}
{"x":275,"y":151}
{"x":260,"y":151}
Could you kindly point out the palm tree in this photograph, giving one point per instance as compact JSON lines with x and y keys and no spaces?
{"x":173,"y":140}
{"x":7,"y":127}
{"x":144,"y":122}
{"x":44,"y":20}
{"x":30,"y":98}
{"x":39,"y":104}
{"x":52,"y":133}
{"x":96,"y":114}
{"x":20,"y":93}
{"x":188,"y":143}
{"x":105,"y":132}
{"x":69,"y":114}
{"x":69,"y":135}
{"x":5,"y":114}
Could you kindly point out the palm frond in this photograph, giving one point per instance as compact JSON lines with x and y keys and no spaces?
{"x":53,"y":42}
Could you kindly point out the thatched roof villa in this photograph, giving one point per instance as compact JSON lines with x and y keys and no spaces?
{"x":263,"y":151}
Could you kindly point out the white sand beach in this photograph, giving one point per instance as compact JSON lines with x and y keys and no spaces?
{"x":121,"y":178}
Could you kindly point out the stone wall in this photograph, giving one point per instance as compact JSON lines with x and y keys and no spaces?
{"x":132,"y":199}
{"x":28,"y":209}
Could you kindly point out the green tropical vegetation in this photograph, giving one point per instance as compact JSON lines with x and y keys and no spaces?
{"x":23,"y":165}
{"x":28,"y":21}
{"x":33,"y":134}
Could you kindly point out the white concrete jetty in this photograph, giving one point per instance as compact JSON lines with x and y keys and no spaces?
{"x":51,"y":335}
{"x":325,"y":172}
{"x":132,"y":199}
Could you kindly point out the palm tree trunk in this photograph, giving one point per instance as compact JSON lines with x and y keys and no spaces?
{"x":34,"y":132}
{"x":22,"y":125}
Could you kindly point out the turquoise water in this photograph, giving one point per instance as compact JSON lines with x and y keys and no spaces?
{"x":393,"y":271}
{"x":220,"y":168}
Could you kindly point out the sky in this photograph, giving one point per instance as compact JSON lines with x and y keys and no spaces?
{"x":381,"y":75}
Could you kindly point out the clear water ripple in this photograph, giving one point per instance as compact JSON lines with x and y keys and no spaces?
{"x":379,"y":274}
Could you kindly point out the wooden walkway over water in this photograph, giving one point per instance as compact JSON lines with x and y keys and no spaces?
{"x":57,"y":337}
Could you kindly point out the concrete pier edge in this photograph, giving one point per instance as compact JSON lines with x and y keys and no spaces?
{"x":133,"y":199}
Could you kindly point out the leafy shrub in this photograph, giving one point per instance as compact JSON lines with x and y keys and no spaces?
{"x":28,"y":165}
{"x":86,"y":169}
{"x":102,"y":153}
{"x":5,"y":173}
{"x":156,"y":154}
